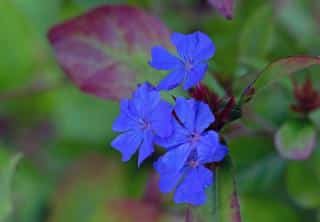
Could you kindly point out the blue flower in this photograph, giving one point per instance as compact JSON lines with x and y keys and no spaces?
{"x":190,"y":147}
{"x":142,"y":119}
{"x":189,"y":67}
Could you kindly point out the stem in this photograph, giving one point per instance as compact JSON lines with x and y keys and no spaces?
{"x":188,"y":216}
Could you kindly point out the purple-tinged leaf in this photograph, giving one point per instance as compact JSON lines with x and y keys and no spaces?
{"x":224,"y":7}
{"x":275,"y":72}
{"x":296,"y":139}
{"x":104,"y":50}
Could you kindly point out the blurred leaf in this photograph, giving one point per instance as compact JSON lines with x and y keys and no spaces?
{"x":41,"y":14}
{"x":18,"y":47}
{"x":267,"y":209}
{"x":256,"y":36}
{"x":105,"y":50}
{"x":223,"y":204}
{"x":297,"y":18}
{"x":81,"y":118}
{"x":258,"y":146}
{"x":261,"y":175}
{"x":134,"y":211}
{"x":276,"y":71}
{"x":296,"y":139}
{"x":303,"y":182}
{"x":315,"y":117}
{"x":95,"y":3}
{"x":33,"y":187}
{"x":6,"y":177}
{"x":224,"y":7}
{"x":88,"y":185}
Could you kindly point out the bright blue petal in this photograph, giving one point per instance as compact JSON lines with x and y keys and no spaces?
{"x":192,"y":188}
{"x":127,"y":143}
{"x":144,"y":99}
{"x":185,"y":44}
{"x":170,"y":165}
{"x":146,"y":148}
{"x":172,"y":80}
{"x":194,"y":47}
{"x":209,"y":148}
{"x":220,"y":153}
{"x":204,"y":117}
{"x":161,"y":119}
{"x":185,"y":110}
{"x":161,"y":59}
{"x":195,"y":75}
{"x":125,"y":120}
{"x":179,"y":136}
{"x":168,"y":181}
{"x":205,"y":48}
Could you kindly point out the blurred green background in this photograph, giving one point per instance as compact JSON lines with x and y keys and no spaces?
{"x":68,"y":171}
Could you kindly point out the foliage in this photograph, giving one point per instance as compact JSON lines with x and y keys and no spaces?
{"x":68,"y":173}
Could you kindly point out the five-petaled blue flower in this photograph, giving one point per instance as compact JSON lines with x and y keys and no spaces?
{"x":189,"y":148}
{"x":142,"y":119}
{"x":194,"y":51}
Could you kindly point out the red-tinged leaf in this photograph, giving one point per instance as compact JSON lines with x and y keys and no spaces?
{"x":275,"y":72}
{"x":225,"y":7}
{"x":104,"y":50}
{"x":296,"y":139}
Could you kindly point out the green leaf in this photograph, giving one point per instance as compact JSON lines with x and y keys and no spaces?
{"x":275,"y":72}
{"x":6,"y":177}
{"x":303,"y":182}
{"x":223,"y":203}
{"x":257,"y":34}
{"x":90,"y":184}
{"x":296,"y":139}
{"x":315,"y":117}
{"x":266,"y":209}
{"x":295,"y":16}
{"x":262,"y":175}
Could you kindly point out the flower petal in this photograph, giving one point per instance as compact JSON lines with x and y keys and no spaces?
{"x":204,"y":117}
{"x":205,"y":48}
{"x":127,"y":143}
{"x":125,"y":120}
{"x":170,"y":167}
{"x":161,"y":119}
{"x":195,"y":75}
{"x":161,"y":59}
{"x":146,"y":149}
{"x":185,"y":110}
{"x":169,"y":181}
{"x":209,"y":149}
{"x":178,"y":137}
{"x":192,"y":188}
{"x":184,"y":43}
{"x":196,"y":46}
{"x":144,"y":100}
{"x":172,"y":80}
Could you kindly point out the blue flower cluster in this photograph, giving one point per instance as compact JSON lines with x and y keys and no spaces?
{"x":182,"y":129}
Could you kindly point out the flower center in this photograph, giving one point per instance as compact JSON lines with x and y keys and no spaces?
{"x":193,"y":163}
{"x":189,"y":65}
{"x":144,"y":124}
{"x":194,"y":138}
